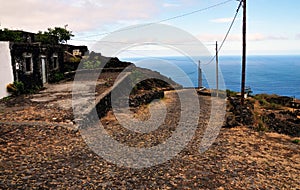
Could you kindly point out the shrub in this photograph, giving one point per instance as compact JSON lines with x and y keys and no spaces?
{"x":75,"y":60}
{"x":11,"y":88}
{"x":263,"y":102}
{"x":34,"y":89}
{"x":261,"y":96}
{"x":261,"y":126}
{"x":6,"y":98}
{"x":231,"y":93}
{"x":16,"y":88}
{"x":56,"y":77}
{"x":273,"y":106}
{"x":296,"y":141}
{"x":91,"y":63}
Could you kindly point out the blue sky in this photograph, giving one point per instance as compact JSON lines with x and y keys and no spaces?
{"x":273,"y":26}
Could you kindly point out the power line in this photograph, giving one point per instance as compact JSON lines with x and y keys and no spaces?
{"x":129,"y":43}
{"x":165,"y":58}
{"x":171,"y":18}
{"x":228,"y":31}
{"x":223,"y":42}
{"x":196,"y":11}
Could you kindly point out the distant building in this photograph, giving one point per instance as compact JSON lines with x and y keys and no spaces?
{"x":32,"y":62}
{"x":295,"y":103}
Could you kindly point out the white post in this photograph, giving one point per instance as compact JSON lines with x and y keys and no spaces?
{"x":217,"y":69}
{"x":199,"y":75}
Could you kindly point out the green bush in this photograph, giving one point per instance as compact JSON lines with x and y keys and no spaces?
{"x":6,"y":98}
{"x":263,"y":102}
{"x":261,"y":99}
{"x":231,"y":93}
{"x":33,"y":89}
{"x":273,"y":106}
{"x":16,"y":88}
{"x":57,"y":77}
{"x":296,"y":141}
{"x":91,"y":63}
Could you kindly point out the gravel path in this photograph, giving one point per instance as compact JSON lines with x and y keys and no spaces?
{"x":52,"y":105}
{"x":53,"y":157}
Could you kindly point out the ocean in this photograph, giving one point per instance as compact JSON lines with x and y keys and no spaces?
{"x":264,"y":74}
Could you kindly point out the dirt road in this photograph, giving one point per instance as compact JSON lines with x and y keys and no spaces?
{"x":53,"y":157}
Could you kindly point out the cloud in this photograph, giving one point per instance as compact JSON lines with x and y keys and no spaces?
{"x":298,"y":36}
{"x":171,"y":5}
{"x":262,"y":37}
{"x":80,"y":15}
{"x":277,"y":38}
{"x":238,"y":37}
{"x":218,"y":37}
{"x":222,"y":20}
{"x":256,"y":37}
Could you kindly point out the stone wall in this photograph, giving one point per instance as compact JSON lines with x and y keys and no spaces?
{"x":36,"y":51}
{"x":103,"y":101}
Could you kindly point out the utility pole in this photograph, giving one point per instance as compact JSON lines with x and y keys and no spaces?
{"x":199,"y":75}
{"x":244,"y":55}
{"x":217,"y":68}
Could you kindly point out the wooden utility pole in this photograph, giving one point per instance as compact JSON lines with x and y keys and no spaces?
{"x":199,"y":75}
{"x":244,"y":55}
{"x":217,"y":69}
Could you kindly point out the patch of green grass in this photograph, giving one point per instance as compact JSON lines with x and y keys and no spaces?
{"x":263,"y":102}
{"x":296,"y":141}
{"x":273,"y":106}
{"x":6,"y":98}
{"x":231,"y":93}
{"x":261,"y":96}
{"x":262,"y":126}
{"x":58,"y":77}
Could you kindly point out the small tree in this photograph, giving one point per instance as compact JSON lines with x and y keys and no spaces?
{"x":45,"y":38}
{"x":63,"y":34}
{"x":10,"y":35}
{"x":92,"y":62}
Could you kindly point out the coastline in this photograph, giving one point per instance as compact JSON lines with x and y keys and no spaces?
{"x":273,"y":74}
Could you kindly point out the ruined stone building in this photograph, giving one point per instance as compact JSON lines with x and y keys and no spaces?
{"x":26,"y":59}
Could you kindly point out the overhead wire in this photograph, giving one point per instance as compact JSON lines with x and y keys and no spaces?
{"x":175,"y":17}
{"x":179,"y":16}
{"x":227,"y":34}
{"x":130,"y":43}
{"x":160,"y":21}
{"x":228,"y":31}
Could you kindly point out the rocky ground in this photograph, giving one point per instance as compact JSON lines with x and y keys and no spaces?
{"x":267,"y":113}
{"x":54,"y":104}
{"x":53,"y":156}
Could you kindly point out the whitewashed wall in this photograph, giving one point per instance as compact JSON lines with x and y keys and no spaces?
{"x":6,"y":72}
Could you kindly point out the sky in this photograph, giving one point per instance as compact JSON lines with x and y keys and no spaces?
{"x":272,"y":26}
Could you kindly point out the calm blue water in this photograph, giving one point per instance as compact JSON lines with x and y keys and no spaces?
{"x":265,"y":74}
